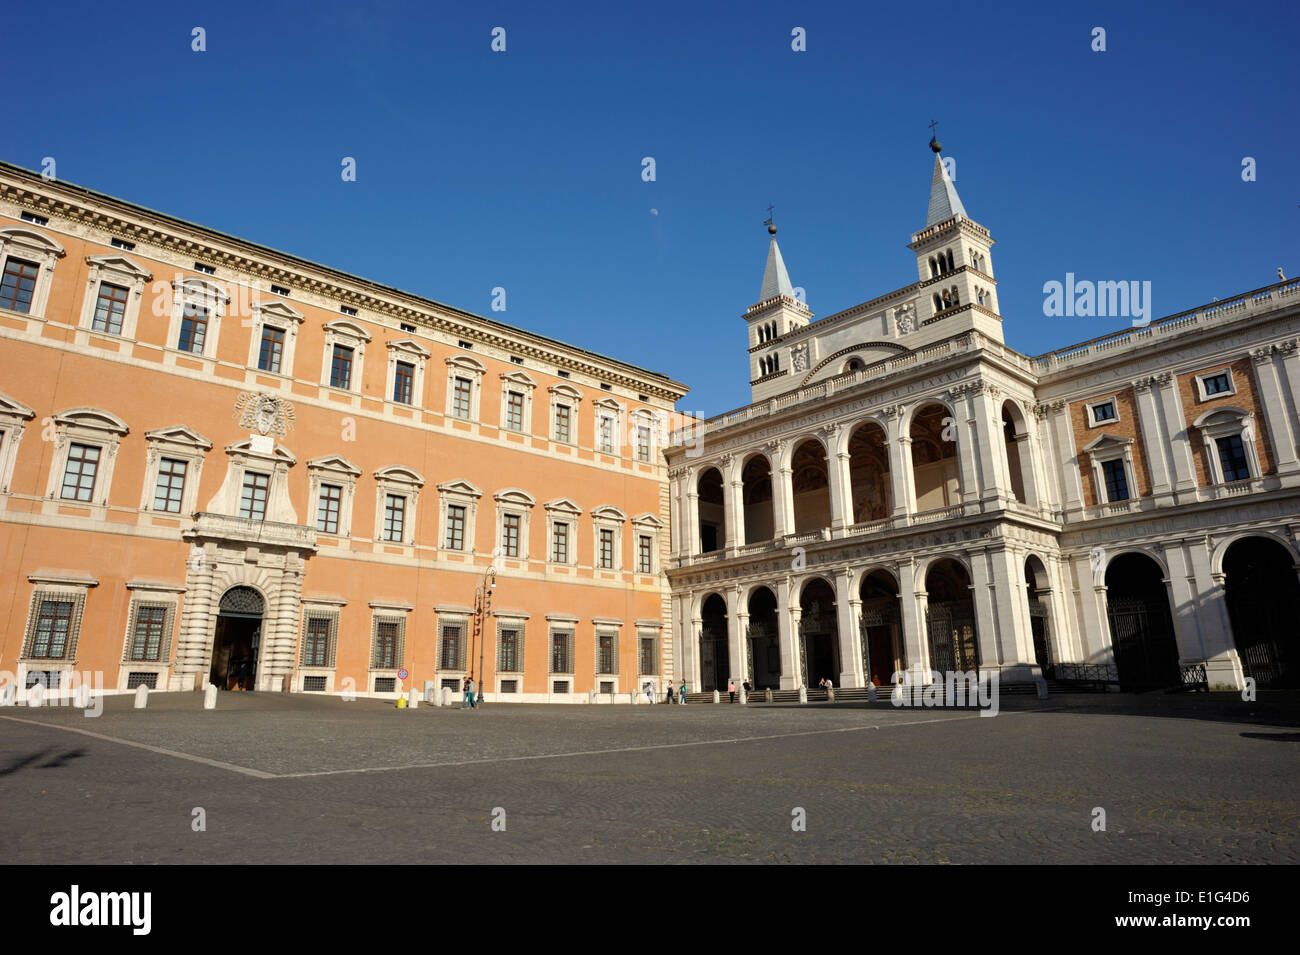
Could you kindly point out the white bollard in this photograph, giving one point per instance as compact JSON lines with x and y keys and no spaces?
{"x":717,"y":697}
{"x":803,"y":694}
{"x":1042,"y":688}
{"x":210,"y":697}
{"x":141,"y":696}
{"x":8,"y":694}
{"x":413,"y":698}
{"x":591,"y":696}
{"x":896,"y":695}
{"x":446,"y":696}
{"x":871,"y":692}
{"x":744,"y":697}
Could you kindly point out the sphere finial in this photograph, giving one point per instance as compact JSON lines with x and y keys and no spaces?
{"x":935,"y":145}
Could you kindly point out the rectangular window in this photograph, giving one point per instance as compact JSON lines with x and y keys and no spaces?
{"x":327,"y":508}
{"x":649,"y":659}
{"x":606,"y":437}
{"x":1104,"y":412}
{"x":403,"y":382}
{"x":509,"y":653}
{"x":341,"y":368}
{"x":53,"y":624}
{"x":562,"y":417}
{"x":79,"y":474}
{"x":515,"y":411}
{"x":1232,"y":456}
{"x":394,"y":517}
{"x":643,"y":563}
{"x":252,"y":500}
{"x":171,"y":485}
{"x":1116,"y":480}
{"x":386,"y":634}
{"x":642,"y":443}
{"x":606,"y":556}
{"x":18,"y":285}
{"x":147,"y":638}
{"x":316,"y":642}
{"x":560,"y":543}
{"x":110,"y":307}
{"x":510,"y":535}
{"x":1219,"y":384}
{"x":449,"y":656}
{"x":561,"y":658}
{"x":460,"y":397}
{"x":272,"y":351}
{"x":607,"y":653}
{"x":455,"y":527}
{"x":194,"y":329}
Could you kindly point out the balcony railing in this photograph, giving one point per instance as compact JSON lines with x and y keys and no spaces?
{"x":270,"y":533}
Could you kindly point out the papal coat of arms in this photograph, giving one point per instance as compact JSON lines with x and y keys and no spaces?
{"x":263,"y":413}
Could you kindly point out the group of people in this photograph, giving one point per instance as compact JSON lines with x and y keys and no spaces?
{"x":473,"y":696}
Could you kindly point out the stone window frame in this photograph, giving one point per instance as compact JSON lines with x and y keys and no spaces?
{"x":463,"y":493}
{"x":565,"y":511}
{"x":607,"y":409}
{"x":349,"y":335}
{"x":452,"y":616}
{"x":1109,"y":447}
{"x":511,"y":620}
{"x":327,"y":608}
{"x":464,"y":366}
{"x":262,"y":455}
{"x":607,"y":517}
{"x":413,"y":353}
{"x":115,"y":269}
{"x":178,"y":443}
{"x":383,"y":611}
{"x":278,"y":314}
{"x":150,"y":593}
{"x":1113,"y":401}
{"x":570,"y":397}
{"x":32,"y":246}
{"x":1228,"y":421}
{"x":516,"y":501}
{"x":202,"y":293}
{"x":567,"y":626}
{"x":649,"y":630}
{"x":54,"y":586}
{"x":14,"y":416}
{"x":636,"y":420}
{"x":605,"y":626}
{"x":523,"y":383}
{"x":338,"y":470}
{"x":647,"y":525}
{"x":90,"y":426}
{"x":397,"y":479}
{"x":1200,"y":378}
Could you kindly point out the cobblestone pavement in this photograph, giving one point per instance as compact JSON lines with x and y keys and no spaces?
{"x":291,"y":779}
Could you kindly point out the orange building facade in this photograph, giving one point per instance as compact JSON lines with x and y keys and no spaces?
{"x":222,"y":464}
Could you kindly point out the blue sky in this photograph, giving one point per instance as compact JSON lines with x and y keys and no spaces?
{"x":522,"y":169}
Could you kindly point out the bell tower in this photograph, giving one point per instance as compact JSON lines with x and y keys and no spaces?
{"x":776,"y":314}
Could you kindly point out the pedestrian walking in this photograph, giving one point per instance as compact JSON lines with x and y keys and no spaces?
{"x":681,"y":694}
{"x":731,"y":690}
{"x":468,"y":701}
{"x":672,"y":697}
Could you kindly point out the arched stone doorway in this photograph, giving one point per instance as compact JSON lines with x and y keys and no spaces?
{"x":1038,"y":589}
{"x":714,"y":647}
{"x":1263,"y":593}
{"x":883,"y":652}
{"x":950,"y":618}
{"x":1015,"y":442}
{"x":1141,"y":628}
{"x":764,"y":662}
{"x":819,"y":637}
{"x":237,"y":639}
{"x":713,"y":511}
{"x":810,"y":478}
{"x":759,"y":515}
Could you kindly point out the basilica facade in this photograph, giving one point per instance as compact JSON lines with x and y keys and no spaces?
{"x":906,"y":493}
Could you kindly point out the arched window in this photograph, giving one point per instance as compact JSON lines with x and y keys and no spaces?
{"x":934,"y":267}
{"x":956,"y":300}
{"x":938,"y":303}
{"x":947,"y":299}
{"x":951,"y":267}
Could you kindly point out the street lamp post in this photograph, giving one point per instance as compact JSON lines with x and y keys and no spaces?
{"x":482,"y":610}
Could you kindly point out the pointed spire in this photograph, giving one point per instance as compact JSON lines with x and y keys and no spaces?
{"x":944,"y":201}
{"x":776,"y":281}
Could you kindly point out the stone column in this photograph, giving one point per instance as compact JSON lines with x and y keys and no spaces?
{"x":848,"y":611}
{"x":1090,"y":586}
{"x":967,"y":449}
{"x":1200,"y":613}
{"x":986,"y":620}
{"x":902,"y":490}
{"x":1011,"y":606}
{"x":785,"y":634}
{"x":1047,"y":462}
{"x":1280,"y":428}
{"x":691,"y":657}
{"x":1067,"y":457}
{"x":1066,"y":643}
{"x":986,"y":429}
{"x":1154,"y":443}
{"x":1288,"y":356}
{"x":841,"y":490}
{"x":1180,"y":446}
{"x":737,"y":623}
{"x":785,"y":508}
{"x":693,"y":521}
{"x":913,"y":601}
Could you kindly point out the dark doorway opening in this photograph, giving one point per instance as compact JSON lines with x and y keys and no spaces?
{"x":819,"y":634}
{"x":714,"y":646}
{"x":1262,"y":594}
{"x":237,"y":639}
{"x":764,"y":641}
{"x":1141,"y":628}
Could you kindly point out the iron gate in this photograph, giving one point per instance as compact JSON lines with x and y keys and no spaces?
{"x":953,"y":643}
{"x":1145,"y":652}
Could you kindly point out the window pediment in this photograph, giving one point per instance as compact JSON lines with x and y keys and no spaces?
{"x":399,"y":474}
{"x":607,"y":404}
{"x":647,"y":520}
{"x":345,"y":329}
{"x":31,"y":239}
{"x":466,"y":363}
{"x":1228,"y":415}
{"x":14,"y":409}
{"x":514,"y":496}
{"x":608,"y":512}
{"x":92,"y":418}
{"x":334,"y":462}
{"x":563,"y":505}
{"x":278,"y":454}
{"x":1106,"y":442}
{"x":458,"y":487}
{"x":203,"y":289}
{"x":518,"y":378}
{"x":566,"y":391}
{"x":120,"y":264}
{"x":410,"y":347}
{"x":277,"y":309}
{"x":180,"y":435}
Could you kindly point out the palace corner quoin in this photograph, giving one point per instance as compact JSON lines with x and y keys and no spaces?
{"x":223,"y":464}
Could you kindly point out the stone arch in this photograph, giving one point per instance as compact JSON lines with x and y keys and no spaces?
{"x":763,"y":642}
{"x":936,"y":449}
{"x":1261,"y":591}
{"x":870,"y":484}
{"x":711,"y":503}
{"x":818,"y":642}
{"x":715,"y":654}
{"x":884,"y":651}
{"x":1141,"y":622}
{"x":1015,"y":448}
{"x":950,"y":615}
{"x":758,"y":498}
{"x":860,"y":346}
{"x":1221,"y":547}
{"x":810,"y":480}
